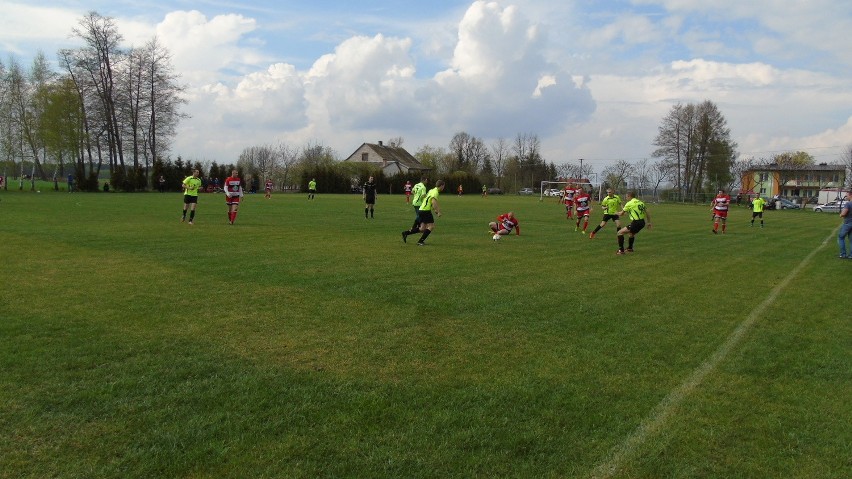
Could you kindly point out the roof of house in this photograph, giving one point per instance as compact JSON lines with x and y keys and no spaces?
{"x":819,"y":167}
{"x":396,"y":154}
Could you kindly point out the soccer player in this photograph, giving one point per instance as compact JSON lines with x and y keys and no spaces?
{"x":419,"y":193}
{"x":191,"y":185}
{"x":720,"y":206}
{"x":268,"y":189}
{"x":505,"y":224}
{"x":407,"y":189}
{"x":369,"y":196}
{"x":461,"y":190}
{"x":312,"y":188}
{"x":757,"y":206}
{"x":611,"y":203}
{"x":568,"y":200}
{"x":429,"y":205}
{"x":638,"y":214}
{"x":845,"y":227}
{"x":583,"y":205}
{"x":233,"y":194}
{"x":484,"y":191}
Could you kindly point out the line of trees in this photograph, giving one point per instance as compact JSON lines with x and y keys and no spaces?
{"x":108,"y":109}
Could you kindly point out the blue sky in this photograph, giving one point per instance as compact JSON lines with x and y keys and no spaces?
{"x":592,"y":79}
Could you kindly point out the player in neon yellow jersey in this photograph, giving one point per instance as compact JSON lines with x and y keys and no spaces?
{"x":429,"y":205}
{"x":611,"y":204}
{"x":757,"y":206}
{"x":191,"y":185}
{"x":639,"y":218}
{"x":417,"y":194}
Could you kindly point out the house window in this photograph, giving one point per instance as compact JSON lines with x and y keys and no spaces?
{"x":364,"y":156}
{"x":764,"y":176}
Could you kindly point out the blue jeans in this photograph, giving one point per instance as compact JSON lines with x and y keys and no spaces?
{"x":845,"y":232}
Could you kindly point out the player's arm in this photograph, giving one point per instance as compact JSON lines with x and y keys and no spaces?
{"x":435,"y":206}
{"x":845,"y":211}
{"x":517,"y":229}
{"x":648,"y":219}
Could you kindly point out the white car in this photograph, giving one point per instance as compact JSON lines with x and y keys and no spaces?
{"x":830,"y":207}
{"x":553,"y":192}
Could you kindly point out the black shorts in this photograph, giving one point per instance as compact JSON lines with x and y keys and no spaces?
{"x":755,"y":214}
{"x":610,"y":217}
{"x":370,"y":199}
{"x":189,"y":199}
{"x":426,"y":217}
{"x":636,"y":226}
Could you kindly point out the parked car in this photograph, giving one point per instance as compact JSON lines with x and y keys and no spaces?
{"x":788,"y":205}
{"x":526,"y":191}
{"x":553,"y":192}
{"x":830,"y":207}
{"x":495,"y":191}
{"x":781,"y":204}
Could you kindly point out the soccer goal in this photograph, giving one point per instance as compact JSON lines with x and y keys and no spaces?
{"x":547,"y":188}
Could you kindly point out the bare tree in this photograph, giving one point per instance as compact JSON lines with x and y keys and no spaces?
{"x":98,"y":59}
{"x":499,"y":157}
{"x":660,"y":171}
{"x":396,"y":142}
{"x":616,"y":175}
{"x":469,"y":152}
{"x":695,"y":141}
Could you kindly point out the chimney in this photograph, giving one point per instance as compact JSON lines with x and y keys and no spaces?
{"x":380,"y":142}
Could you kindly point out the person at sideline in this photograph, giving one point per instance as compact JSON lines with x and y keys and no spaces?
{"x":846,"y":227}
{"x":719,"y":206}
{"x":611,"y":203}
{"x":369,"y":197}
{"x":757,"y":206}
{"x":233,"y":194}
{"x":505,"y":224}
{"x":191,"y":185}
{"x":639,"y":218}
{"x":427,"y":208}
{"x":418,"y":194}
{"x":312,"y":188}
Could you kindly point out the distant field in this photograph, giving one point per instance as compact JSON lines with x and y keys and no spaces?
{"x":307,"y":341}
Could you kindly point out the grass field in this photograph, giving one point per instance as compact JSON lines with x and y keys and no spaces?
{"x":307,"y":341}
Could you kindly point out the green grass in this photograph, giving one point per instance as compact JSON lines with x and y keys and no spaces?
{"x":306,"y":341}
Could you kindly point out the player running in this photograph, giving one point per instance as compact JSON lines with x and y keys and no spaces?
{"x":583,"y":205}
{"x":610,"y":204}
{"x":720,"y":206}
{"x":505,"y":224}
{"x":639,"y":215}
{"x":419,"y":193}
{"x":568,"y":200}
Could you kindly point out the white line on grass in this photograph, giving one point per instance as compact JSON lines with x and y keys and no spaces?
{"x":660,"y":415}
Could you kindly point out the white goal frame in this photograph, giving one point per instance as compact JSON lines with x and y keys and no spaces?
{"x":546,"y":185}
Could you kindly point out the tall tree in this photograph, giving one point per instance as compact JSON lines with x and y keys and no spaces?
{"x":499,"y":157}
{"x":696,"y":142}
{"x":99,"y":59}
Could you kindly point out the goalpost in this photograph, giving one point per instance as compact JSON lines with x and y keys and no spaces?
{"x":560,"y":185}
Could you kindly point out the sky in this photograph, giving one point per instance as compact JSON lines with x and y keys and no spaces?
{"x":592,"y":79}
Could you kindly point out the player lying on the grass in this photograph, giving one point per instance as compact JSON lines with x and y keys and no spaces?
{"x":505,"y":224}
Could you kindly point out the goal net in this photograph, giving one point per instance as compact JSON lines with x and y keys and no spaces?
{"x":556,"y":188}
